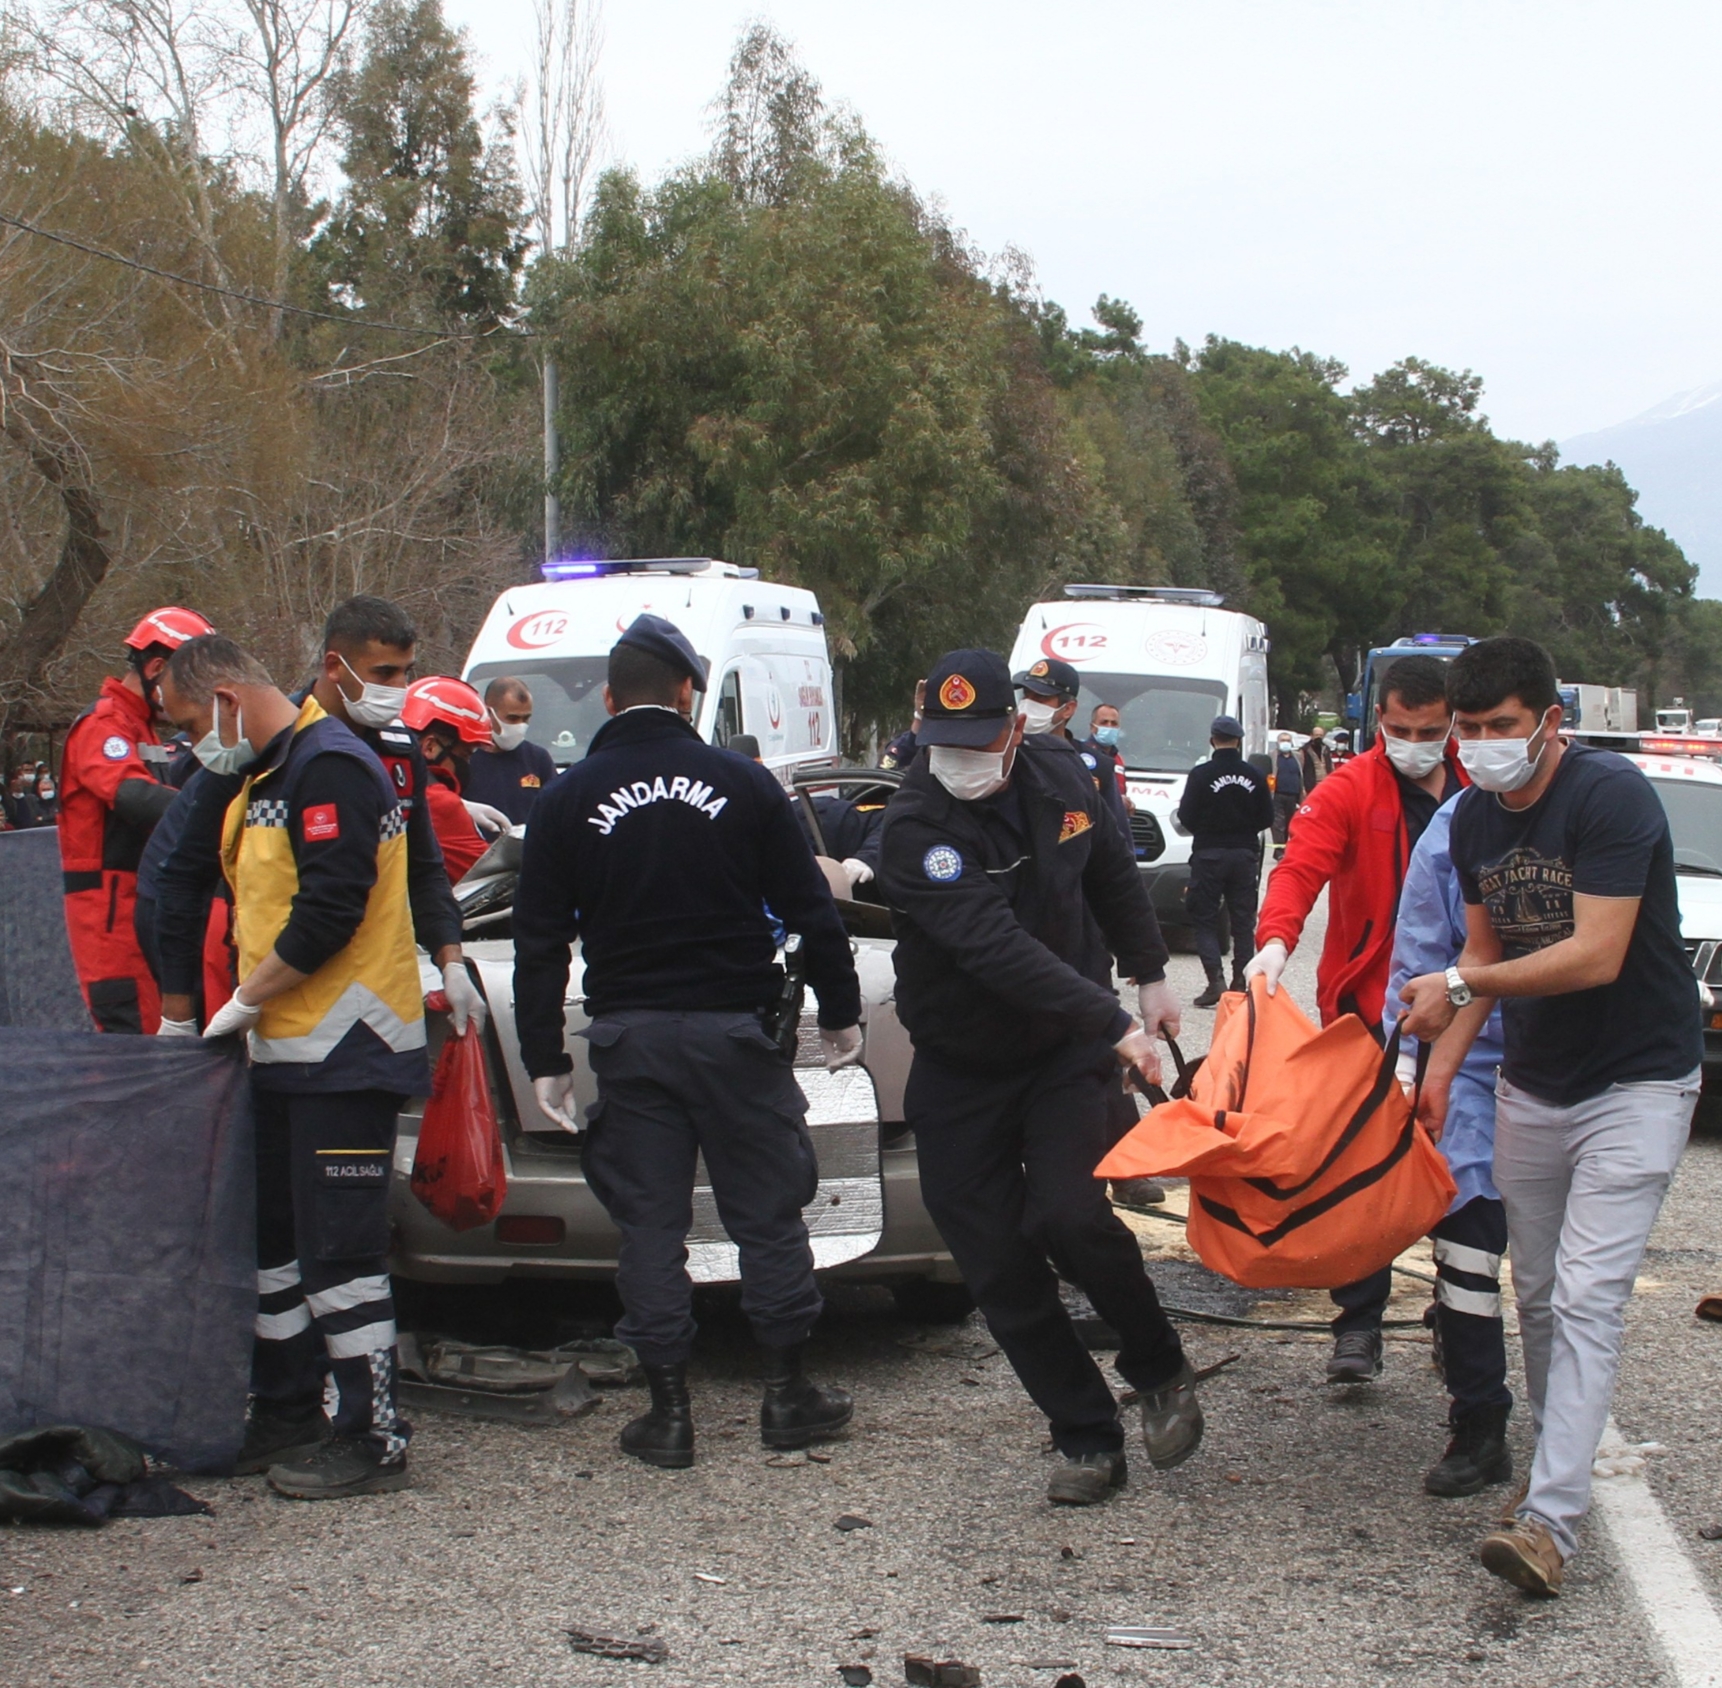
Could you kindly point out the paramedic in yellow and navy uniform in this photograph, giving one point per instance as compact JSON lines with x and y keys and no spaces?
{"x":315,"y":849}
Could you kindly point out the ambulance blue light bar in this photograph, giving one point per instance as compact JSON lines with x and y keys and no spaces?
{"x":586,"y":568}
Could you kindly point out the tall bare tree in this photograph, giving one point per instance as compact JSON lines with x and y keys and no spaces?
{"x":561,"y":117}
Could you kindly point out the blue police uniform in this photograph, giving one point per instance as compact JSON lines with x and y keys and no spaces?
{"x":1226,"y":806}
{"x":509,"y":780}
{"x":661,"y":853}
{"x":1471,"y":1239}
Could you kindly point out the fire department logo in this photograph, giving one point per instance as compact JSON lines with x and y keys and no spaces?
{"x":116,"y":749}
{"x":942,"y":864}
{"x":956,"y":693}
{"x":1040,"y":670}
{"x":1076,"y":822}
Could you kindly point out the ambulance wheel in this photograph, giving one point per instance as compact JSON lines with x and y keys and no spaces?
{"x":923,"y":1301}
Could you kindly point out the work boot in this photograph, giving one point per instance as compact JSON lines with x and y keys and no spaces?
{"x":1216,"y":988}
{"x":1356,"y":1357}
{"x":796,"y":1411}
{"x":1524,"y":1554}
{"x":1172,"y":1420}
{"x":1138,"y":1192}
{"x":1476,"y":1456}
{"x":277,"y":1432}
{"x":663,"y":1435}
{"x":341,"y":1466}
{"x":1087,"y":1479}
{"x":1239,"y":983}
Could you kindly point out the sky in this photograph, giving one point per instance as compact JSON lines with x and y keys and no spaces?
{"x":1522,"y":188}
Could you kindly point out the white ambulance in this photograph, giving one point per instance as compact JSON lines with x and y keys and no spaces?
{"x":770,"y":674}
{"x":1169,"y":659}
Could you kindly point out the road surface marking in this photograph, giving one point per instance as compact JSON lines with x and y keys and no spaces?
{"x":1663,"y":1576}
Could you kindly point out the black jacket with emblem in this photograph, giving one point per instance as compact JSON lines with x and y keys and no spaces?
{"x":661,"y":853}
{"x":1008,"y":912}
{"x":1226,"y":804}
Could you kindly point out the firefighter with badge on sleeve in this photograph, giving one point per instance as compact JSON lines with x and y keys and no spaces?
{"x":661,"y":853}
{"x":112,"y":792}
{"x":1226,"y":807}
{"x":329,"y":996}
{"x":1050,"y":690}
{"x":1008,"y":885}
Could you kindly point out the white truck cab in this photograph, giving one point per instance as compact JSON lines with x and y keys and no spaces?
{"x":1169,"y":659}
{"x":770,"y":672}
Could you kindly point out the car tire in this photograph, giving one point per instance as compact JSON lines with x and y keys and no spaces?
{"x":924,"y":1301}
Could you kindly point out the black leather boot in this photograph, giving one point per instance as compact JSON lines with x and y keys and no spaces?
{"x":1216,"y":989}
{"x":795,"y":1411}
{"x":664,"y":1436}
{"x":1476,"y":1456}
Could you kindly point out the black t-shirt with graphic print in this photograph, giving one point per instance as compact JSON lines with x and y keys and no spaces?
{"x":1600,"y":831}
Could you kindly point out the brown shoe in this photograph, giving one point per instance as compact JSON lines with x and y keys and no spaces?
{"x":1510,"y":1512}
{"x":1524,"y":1554}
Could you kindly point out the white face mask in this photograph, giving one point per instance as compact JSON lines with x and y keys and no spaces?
{"x":509,"y":735}
{"x":1500,"y":764}
{"x":1037,"y":715}
{"x":221,"y":758}
{"x":375,"y":706}
{"x":1416,"y":761}
{"x":969,"y":775}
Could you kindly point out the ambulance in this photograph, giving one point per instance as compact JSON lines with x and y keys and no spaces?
{"x":1169,"y":659}
{"x":770,"y":673}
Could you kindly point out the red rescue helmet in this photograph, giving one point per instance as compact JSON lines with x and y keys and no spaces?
{"x":169,"y":626}
{"x":449,"y":702}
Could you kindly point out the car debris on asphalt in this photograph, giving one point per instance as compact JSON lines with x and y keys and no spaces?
{"x":650,"y":1649}
{"x":923,"y":1672}
{"x":1126,"y":1635}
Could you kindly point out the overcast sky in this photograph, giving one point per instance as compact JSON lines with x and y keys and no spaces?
{"x":1526,"y":188}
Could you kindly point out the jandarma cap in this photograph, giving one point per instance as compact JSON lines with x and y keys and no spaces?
{"x":1226,"y":726}
{"x":969,"y":700}
{"x":669,"y":644}
{"x":1048,"y":677}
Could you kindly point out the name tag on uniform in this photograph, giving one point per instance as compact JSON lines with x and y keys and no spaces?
{"x":353,"y":1168}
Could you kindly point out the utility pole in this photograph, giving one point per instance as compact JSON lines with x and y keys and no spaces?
{"x":552,"y":505}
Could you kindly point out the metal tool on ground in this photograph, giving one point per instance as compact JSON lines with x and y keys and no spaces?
{"x":1127,"y":1635}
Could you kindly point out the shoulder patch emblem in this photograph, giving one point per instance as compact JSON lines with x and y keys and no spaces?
{"x":942,"y":864}
{"x":1076,"y":822}
{"x":956,"y":693}
{"x":116,"y":749}
{"x":531,"y":781}
{"x":322,"y":823}
{"x":1090,"y":761}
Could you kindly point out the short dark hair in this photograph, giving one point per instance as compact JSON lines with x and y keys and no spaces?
{"x":203,"y":663}
{"x":1417,"y":681}
{"x":637,"y":677}
{"x":1489,"y":672}
{"x":505,"y":686}
{"x":364,"y":620}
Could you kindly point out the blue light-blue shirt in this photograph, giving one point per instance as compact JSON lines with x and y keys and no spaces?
{"x":1430,"y":935}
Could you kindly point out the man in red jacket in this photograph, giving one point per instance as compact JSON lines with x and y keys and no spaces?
{"x":1354,"y":834}
{"x":451,"y":721}
{"x":112,"y":792}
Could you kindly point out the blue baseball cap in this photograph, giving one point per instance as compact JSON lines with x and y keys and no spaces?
{"x":1049,"y":677}
{"x":668,"y":643}
{"x":1225,"y":726}
{"x":969,"y":700}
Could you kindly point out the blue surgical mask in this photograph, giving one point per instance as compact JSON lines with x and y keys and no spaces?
{"x":1108,"y":736}
{"x":221,"y":758}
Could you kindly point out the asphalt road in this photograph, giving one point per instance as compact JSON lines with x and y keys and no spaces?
{"x":1296,"y":1550}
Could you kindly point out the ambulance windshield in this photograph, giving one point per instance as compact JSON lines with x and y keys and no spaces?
{"x":1164,"y":719}
{"x":567,"y":699}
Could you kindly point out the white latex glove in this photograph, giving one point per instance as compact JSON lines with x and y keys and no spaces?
{"x":1160,"y":1008}
{"x":841,"y":1048}
{"x":465,"y":1000}
{"x":1270,"y":962}
{"x":1405,"y":1068}
{"x":487,"y":819}
{"x":859,"y":872}
{"x":177,"y":1028}
{"x":556,"y":1101}
{"x":1136,"y":1049}
{"x":234,"y":1018}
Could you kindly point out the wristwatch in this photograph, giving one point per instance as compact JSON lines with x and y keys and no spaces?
{"x":1458,"y":992}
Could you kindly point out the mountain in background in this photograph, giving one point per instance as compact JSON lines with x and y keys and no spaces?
{"x":1673,"y":455}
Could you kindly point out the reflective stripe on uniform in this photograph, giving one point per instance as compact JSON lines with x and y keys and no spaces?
{"x":1463,"y":1258}
{"x":367,"y":1339}
{"x":356,"y":1004}
{"x":272,"y":1279}
{"x":278,"y":1327}
{"x":1479,"y":1303}
{"x":355,"y":1292}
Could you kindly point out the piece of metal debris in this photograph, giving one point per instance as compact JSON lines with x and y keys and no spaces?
{"x":1127,"y":1635}
{"x":707,"y":1577}
{"x":854,"y":1521}
{"x":923,"y":1672}
{"x":855,"y":1676}
{"x":651,"y":1650}
{"x":1002,"y":1618}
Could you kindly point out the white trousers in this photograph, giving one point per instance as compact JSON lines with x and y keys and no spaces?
{"x":1582,"y":1187}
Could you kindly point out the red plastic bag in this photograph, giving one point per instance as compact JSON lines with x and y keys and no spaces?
{"x":458,"y":1170}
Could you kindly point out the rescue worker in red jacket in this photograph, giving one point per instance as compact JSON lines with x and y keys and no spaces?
{"x":113,"y":789}
{"x":1354,"y":834}
{"x":451,"y":721}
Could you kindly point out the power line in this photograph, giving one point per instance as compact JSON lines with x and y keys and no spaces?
{"x":250,"y":298}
